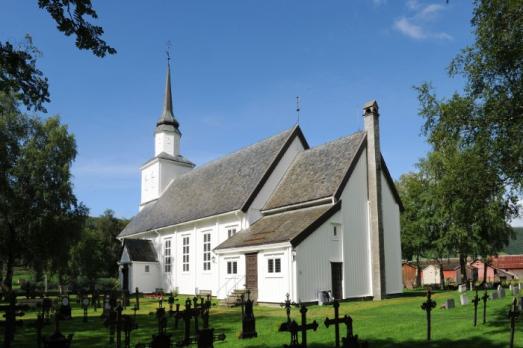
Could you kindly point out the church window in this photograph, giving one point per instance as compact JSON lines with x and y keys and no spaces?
{"x":185,"y":263}
{"x":336,"y":231}
{"x":232,"y":267}
{"x":167,"y":256}
{"x":146,"y":268}
{"x":231,"y":231}
{"x":207,"y":252}
{"x":274,"y":265}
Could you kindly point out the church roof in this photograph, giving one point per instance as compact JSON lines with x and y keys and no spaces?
{"x":140,"y":250}
{"x":291,"y":226}
{"x":318,"y":172}
{"x":167,"y":121}
{"x":221,"y":186}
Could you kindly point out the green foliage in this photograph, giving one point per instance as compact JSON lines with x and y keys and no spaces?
{"x":97,"y":252}
{"x":489,"y":111}
{"x":18,"y":72}
{"x":515,"y":245}
{"x":40,"y":217}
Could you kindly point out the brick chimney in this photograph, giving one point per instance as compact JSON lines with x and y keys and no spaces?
{"x":372,"y":128}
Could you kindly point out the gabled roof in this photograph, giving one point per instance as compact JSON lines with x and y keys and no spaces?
{"x":508,"y":261}
{"x":318,"y":172}
{"x":291,"y":226}
{"x":141,"y":250}
{"x":221,"y":186}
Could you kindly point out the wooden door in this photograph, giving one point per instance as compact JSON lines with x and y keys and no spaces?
{"x":125,"y":276}
{"x":251,"y":272}
{"x":337,"y":278}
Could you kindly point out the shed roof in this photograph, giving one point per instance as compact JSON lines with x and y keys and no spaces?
{"x":220,"y":186}
{"x":140,"y":250}
{"x":318,"y":172}
{"x":291,"y":226}
{"x":508,"y":261}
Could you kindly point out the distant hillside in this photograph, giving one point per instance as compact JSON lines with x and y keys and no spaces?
{"x":515,"y":247}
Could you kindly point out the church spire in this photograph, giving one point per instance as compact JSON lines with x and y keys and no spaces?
{"x":167,"y":118}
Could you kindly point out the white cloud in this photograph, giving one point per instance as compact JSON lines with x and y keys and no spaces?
{"x":414,"y":25}
{"x":406,"y":27}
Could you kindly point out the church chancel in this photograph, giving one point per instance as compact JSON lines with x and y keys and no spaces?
{"x":275,"y":217}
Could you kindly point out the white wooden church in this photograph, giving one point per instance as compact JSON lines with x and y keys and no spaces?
{"x":275,"y":217}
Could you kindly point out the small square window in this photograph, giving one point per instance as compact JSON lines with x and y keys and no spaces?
{"x":146,"y":268}
{"x":270,"y":266}
{"x":232,"y":267}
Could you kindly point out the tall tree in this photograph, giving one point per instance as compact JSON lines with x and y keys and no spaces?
{"x":18,"y":71}
{"x":492,"y":68}
{"x":40,"y":216}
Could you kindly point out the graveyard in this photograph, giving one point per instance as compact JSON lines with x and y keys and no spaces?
{"x":394,"y":322}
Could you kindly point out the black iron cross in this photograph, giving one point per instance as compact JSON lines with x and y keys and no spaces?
{"x":294,"y":328}
{"x":287,"y":305}
{"x":171,"y":303}
{"x":57,"y":339}
{"x":485,"y":298}
{"x":475,"y":301}
{"x":128,"y":324}
{"x":110,"y":323}
{"x":337,"y":321}
{"x":513,"y":315}
{"x":187,"y":315}
{"x":428,"y":306}
{"x":137,"y":297}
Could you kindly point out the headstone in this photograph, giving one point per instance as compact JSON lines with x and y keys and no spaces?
{"x":85,"y":306}
{"x":449,"y":303}
{"x":501,"y":291}
{"x":494,"y":295}
{"x":463,"y":299}
{"x":515,"y":290}
{"x":485,"y":298}
{"x":462,"y":288}
{"x":510,"y":288}
{"x":248,"y":320}
{"x":427,"y":306}
{"x":57,"y":340}
{"x":65,"y":308}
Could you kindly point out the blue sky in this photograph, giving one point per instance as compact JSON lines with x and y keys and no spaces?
{"x":238,"y":66}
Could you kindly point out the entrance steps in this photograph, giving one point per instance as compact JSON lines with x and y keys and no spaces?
{"x":235,"y":297}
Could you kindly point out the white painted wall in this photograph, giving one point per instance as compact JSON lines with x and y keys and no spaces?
{"x":169,"y":171}
{"x":313,"y":260}
{"x":229,"y":283}
{"x":392,"y":239}
{"x":150,"y":182}
{"x":355,"y":225}
{"x":430,"y":275}
{"x":253,"y":213}
{"x":146,"y":282}
{"x":274,"y":287}
{"x":168,"y":142}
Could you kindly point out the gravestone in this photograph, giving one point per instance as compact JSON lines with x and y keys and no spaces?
{"x":462,"y":288}
{"x":449,"y":304}
{"x":85,"y":306}
{"x":515,"y":290}
{"x":56,"y":339}
{"x":127,"y":326}
{"x":47,"y":304}
{"x":501,"y":291}
{"x":494,"y":295}
{"x":510,"y":288}
{"x":248,"y":320}
{"x":65,"y":308}
{"x":463,"y":299}
{"x":206,"y":338}
{"x":475,"y":301}
{"x":427,"y":306}
{"x":485,"y":298}
{"x":186,"y":315}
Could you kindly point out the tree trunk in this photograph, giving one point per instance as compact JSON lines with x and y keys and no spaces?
{"x":8,"y":282}
{"x":463,"y":268}
{"x":441,"y":275}
{"x":418,"y":272}
{"x":1,"y":272}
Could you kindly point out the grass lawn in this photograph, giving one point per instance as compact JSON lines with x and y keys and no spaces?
{"x":397,"y":322}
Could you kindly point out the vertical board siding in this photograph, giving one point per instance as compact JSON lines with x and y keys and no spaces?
{"x":356,"y":252}
{"x":146,"y":282}
{"x":313,"y":260}
{"x":273,"y":287}
{"x":392,"y":239}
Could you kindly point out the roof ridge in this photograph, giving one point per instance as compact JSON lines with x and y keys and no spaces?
{"x":330,"y":142}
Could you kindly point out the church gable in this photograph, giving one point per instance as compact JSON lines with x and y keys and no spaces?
{"x":139,"y":250}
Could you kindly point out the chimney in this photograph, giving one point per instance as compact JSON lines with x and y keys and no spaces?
{"x":372,"y":128}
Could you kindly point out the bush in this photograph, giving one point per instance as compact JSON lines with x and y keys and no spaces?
{"x":108,"y":284}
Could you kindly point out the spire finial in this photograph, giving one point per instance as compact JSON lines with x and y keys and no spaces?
{"x":167,"y":113}
{"x":298,"y":108}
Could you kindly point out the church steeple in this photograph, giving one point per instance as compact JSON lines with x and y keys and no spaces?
{"x":167,"y":118}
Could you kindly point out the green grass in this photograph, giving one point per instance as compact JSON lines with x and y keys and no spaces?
{"x":397,"y":322}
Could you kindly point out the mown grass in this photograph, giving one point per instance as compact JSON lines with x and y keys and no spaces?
{"x":396,"y":322}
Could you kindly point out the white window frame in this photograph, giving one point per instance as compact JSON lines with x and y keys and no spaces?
{"x":273,"y":261}
{"x":167,"y":255}
{"x":232,"y":267}
{"x":231,"y":230}
{"x":207,"y":251}
{"x":186,"y":253}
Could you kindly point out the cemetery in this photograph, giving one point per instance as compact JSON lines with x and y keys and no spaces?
{"x":169,"y":321}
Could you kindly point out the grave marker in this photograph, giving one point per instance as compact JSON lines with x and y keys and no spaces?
{"x":501,"y":291}
{"x":513,"y":315}
{"x":449,"y":303}
{"x":248,"y":320}
{"x":293,"y":328}
{"x":475,"y":301}
{"x":65,"y":308}
{"x":57,"y":340}
{"x":427,"y":306}
{"x":485,"y":299}
{"x":12,"y":310}
{"x":463,"y":299}
{"x":85,"y":306}
{"x":495,"y":295}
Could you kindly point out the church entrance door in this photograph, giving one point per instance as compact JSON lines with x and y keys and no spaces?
{"x":337,"y":278}
{"x":251,"y":273}
{"x":125,"y":277}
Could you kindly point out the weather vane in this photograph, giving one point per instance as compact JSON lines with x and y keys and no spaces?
{"x":298,"y":108}
{"x":168,"y":50}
